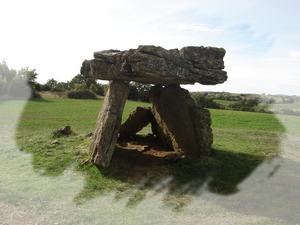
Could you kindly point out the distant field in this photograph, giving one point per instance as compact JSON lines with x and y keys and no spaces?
{"x":224,"y":102}
{"x":292,"y":106}
{"x":242,"y":140}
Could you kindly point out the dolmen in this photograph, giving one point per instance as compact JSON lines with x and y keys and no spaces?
{"x":174,"y":117}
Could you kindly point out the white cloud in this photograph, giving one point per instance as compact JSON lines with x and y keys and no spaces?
{"x":56,"y":36}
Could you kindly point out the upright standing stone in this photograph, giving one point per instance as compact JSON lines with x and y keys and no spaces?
{"x":180,"y":123}
{"x":108,"y":123}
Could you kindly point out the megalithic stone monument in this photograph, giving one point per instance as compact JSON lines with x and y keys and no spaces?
{"x":190,"y":133}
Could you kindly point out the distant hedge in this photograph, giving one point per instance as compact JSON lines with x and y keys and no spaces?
{"x":204,"y":101}
{"x":81,"y":94}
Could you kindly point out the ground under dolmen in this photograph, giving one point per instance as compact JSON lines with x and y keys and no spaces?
{"x":177,"y":123}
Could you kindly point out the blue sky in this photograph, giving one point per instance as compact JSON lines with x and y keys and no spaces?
{"x":262,"y":38}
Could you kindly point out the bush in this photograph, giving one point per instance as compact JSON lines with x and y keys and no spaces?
{"x":249,"y":105}
{"x":97,"y":88}
{"x":82,"y":94}
{"x":204,"y":101}
{"x":133,"y":93}
{"x":139,"y":92}
{"x":44,"y":87}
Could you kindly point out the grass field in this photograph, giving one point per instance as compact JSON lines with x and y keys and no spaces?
{"x":224,"y":102}
{"x":242,"y":140}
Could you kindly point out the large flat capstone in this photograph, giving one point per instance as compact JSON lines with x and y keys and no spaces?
{"x":156,"y":65}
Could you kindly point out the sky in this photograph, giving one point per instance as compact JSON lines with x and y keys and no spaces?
{"x":261,"y":37}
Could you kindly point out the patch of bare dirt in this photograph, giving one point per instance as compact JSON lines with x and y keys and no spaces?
{"x":148,"y":146}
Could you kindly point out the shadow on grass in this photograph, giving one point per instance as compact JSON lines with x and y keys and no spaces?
{"x":133,"y":174}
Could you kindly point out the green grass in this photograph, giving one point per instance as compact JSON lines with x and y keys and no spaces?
{"x":246,"y":121}
{"x":224,"y":102}
{"x":242,"y":140}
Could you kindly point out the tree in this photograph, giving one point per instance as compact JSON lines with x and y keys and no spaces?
{"x":29,"y":75}
{"x":144,"y":91}
{"x":133,"y":93}
{"x":139,"y":92}
{"x":6,"y":73}
{"x":7,"y":77}
{"x":80,"y":82}
{"x":246,"y":104}
{"x":62,"y":86}
{"x":203,"y":101}
{"x":97,"y":89}
{"x":15,"y":83}
{"x":52,"y":84}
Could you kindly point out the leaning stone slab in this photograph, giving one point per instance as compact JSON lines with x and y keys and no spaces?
{"x":108,"y":124}
{"x":180,"y":124}
{"x":136,"y":121}
{"x":156,"y":65}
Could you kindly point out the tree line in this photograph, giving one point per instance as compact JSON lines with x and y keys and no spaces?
{"x":237,"y":102}
{"x":12,"y":84}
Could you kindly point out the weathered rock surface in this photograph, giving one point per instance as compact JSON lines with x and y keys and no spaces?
{"x":136,"y":121}
{"x":108,"y":123}
{"x":156,"y":65}
{"x":174,"y":117}
{"x":180,"y":124}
